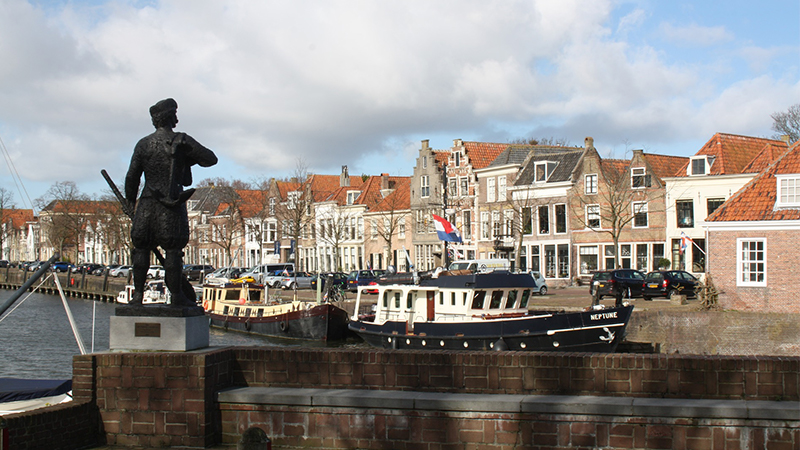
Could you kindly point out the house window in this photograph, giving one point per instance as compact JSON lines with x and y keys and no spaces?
{"x":466,"y":224}
{"x":590,"y":184}
{"x":752,"y":262}
{"x":457,"y":159}
{"x":542,"y":170}
{"x":501,"y":189}
{"x":544,"y":219}
{"x":272,"y":206}
{"x":451,"y":187}
{"x":373,"y":229}
{"x":352,"y":196}
{"x":698,"y":166}
{"x":588,"y":259}
{"x":464,"y":186}
{"x":685,"y":210}
{"x":593,"y":216}
{"x":639,"y":178}
{"x":496,"y":224}
{"x":402,"y":227}
{"x":484,"y":225}
{"x":425,"y":188}
{"x":641,"y":257}
{"x":508,"y":222}
{"x":561,"y":218}
{"x":424,"y":162}
{"x":640,"y":214}
{"x":527,"y":220}
{"x":788,"y":192}
{"x":713,"y":203}
{"x":490,"y":191}
{"x":292,"y":200}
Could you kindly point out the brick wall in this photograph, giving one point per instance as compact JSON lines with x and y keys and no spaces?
{"x":64,"y":426}
{"x":324,"y":427}
{"x":634,"y":375}
{"x":781,"y":294}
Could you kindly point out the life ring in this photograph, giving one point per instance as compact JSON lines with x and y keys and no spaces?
{"x":205,"y":305}
{"x":283,"y":326}
{"x":247,"y":325}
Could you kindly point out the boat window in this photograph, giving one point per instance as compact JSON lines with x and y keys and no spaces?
{"x":260,"y":312}
{"x":453,"y":298}
{"x":512,"y":299}
{"x":397,"y":300}
{"x":497,"y":299}
{"x":232,"y":294}
{"x":236,"y":311}
{"x":464,"y":299}
{"x":441,"y":298}
{"x":247,"y":312}
{"x":219,"y":295}
{"x":526,"y":294}
{"x":385,"y":299}
{"x":477,"y":299}
{"x":410,"y":299}
{"x":256,"y":295}
{"x":225,"y":310}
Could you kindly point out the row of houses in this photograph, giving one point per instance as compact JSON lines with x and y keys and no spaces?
{"x":563,"y":211}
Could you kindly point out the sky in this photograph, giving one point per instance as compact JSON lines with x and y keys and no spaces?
{"x":271,"y":86}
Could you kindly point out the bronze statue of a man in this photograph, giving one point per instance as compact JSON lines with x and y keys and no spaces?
{"x":165,"y":158}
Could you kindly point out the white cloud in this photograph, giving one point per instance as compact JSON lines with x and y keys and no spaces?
{"x":693,"y":34}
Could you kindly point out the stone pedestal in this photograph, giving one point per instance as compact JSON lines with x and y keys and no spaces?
{"x":158,"y":328}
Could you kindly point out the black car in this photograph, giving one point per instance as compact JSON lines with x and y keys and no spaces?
{"x":618,"y":283}
{"x":339,"y":279}
{"x":664,"y":283}
{"x":86,"y":268}
{"x":362,"y":278}
{"x":196,"y":271}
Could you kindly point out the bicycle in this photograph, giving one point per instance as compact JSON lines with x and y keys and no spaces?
{"x":334,"y":293}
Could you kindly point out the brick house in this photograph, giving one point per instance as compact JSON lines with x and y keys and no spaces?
{"x":617,"y":211}
{"x":387,"y":222}
{"x":14,"y":231}
{"x":425,"y":199}
{"x":752,"y":241}
{"x":718,"y":170}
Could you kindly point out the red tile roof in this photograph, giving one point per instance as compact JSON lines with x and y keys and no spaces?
{"x":17,"y":217}
{"x":756,"y":200}
{"x":665,"y":165}
{"x":399,"y":199}
{"x":737,"y":154}
{"x":481,"y":154}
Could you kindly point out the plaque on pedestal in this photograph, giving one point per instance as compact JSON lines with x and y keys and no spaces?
{"x":158,"y":328}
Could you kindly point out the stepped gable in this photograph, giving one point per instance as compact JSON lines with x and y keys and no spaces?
{"x":734,"y":154}
{"x":481,"y":154}
{"x":756,"y":200}
{"x":566,"y":157}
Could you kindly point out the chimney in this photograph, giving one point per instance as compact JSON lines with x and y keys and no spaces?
{"x":588,"y":143}
{"x":786,"y":138}
{"x":639,"y":153}
{"x":344,"y":178}
{"x":425,"y":143}
{"x":384,"y":181}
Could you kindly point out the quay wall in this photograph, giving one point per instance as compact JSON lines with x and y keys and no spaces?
{"x":172,"y":399}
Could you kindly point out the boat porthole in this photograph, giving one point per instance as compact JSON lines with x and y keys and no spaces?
{"x":523,"y":345}
{"x":466,"y":344}
{"x":441,"y":343}
{"x":423,"y":343}
{"x":408,"y":341}
{"x":555,"y":344}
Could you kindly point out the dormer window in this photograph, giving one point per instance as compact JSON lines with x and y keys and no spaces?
{"x":543,"y":170}
{"x":293,"y":198}
{"x":788,"y":189}
{"x":639,"y":178}
{"x":352,"y":196}
{"x":700,"y":165}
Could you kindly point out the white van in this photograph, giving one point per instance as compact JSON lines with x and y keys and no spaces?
{"x":481,"y":265}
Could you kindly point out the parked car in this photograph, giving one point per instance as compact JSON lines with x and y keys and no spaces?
{"x":86,"y":268}
{"x":339,"y":279}
{"x":362,"y":278}
{"x":120,"y":271}
{"x":664,"y":283}
{"x":296,"y":280}
{"x":3,"y":263}
{"x":541,"y":284}
{"x":155,"y":271}
{"x":61,"y":266}
{"x":105,"y":269}
{"x":224,"y":275}
{"x":272,"y":279}
{"x":197,"y":271}
{"x":33,"y":266}
{"x":618,"y":283}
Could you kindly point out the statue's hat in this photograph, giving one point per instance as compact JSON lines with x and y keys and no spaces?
{"x":163,"y":106}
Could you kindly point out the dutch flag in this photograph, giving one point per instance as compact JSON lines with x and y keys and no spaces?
{"x":446,"y":231}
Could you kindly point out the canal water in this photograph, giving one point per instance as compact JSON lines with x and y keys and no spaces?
{"x":36,"y":340}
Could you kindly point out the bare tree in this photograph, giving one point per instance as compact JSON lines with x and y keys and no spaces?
{"x":64,"y":213}
{"x":391,"y":215}
{"x":228,"y":228}
{"x":6,"y":224}
{"x":787,"y":123}
{"x":219,"y":181}
{"x":295,"y":213}
{"x":113,"y":227}
{"x":548,"y":141}
{"x":335,"y":227}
